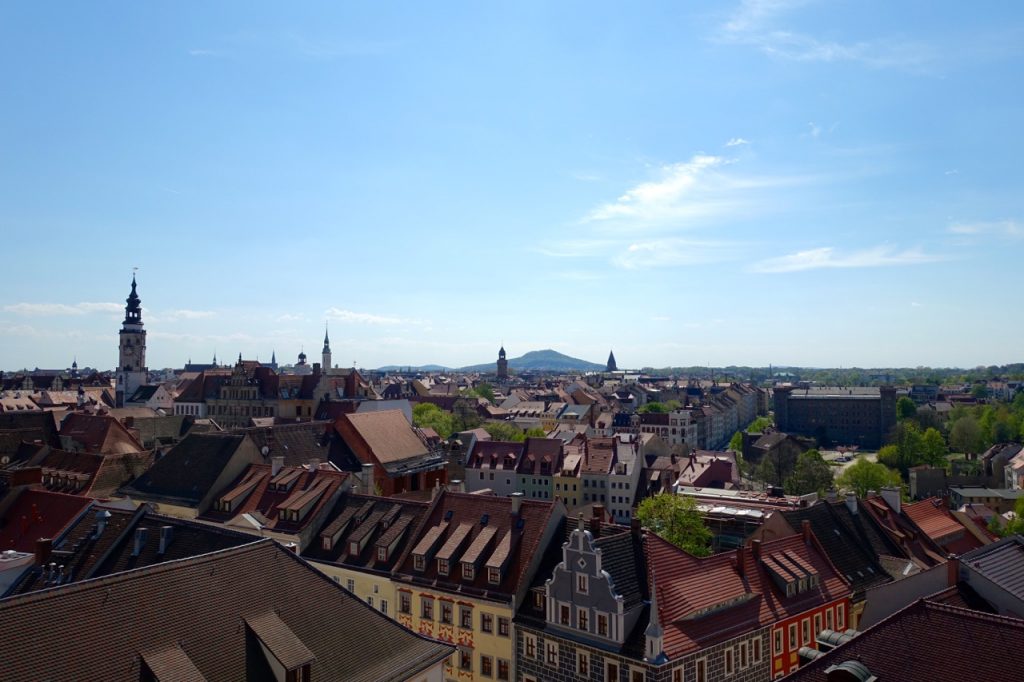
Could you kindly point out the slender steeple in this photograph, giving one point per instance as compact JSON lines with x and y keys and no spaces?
{"x":502,"y":364}
{"x":611,"y":363}
{"x":133,"y":309}
{"x":326,"y":352}
{"x":654,"y":646}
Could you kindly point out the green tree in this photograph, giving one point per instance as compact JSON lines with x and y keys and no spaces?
{"x":812,"y":474}
{"x":965,"y":435}
{"x":485,"y":391}
{"x":1015,"y":526}
{"x":905,"y":408}
{"x":736,"y":442}
{"x":979,"y":391}
{"x":430,"y":416}
{"x":676,"y":519}
{"x":933,"y":448}
{"x":535,"y":432}
{"x":653,"y":408}
{"x":862,"y":476}
{"x":759,"y":425}
{"x":505,"y":431}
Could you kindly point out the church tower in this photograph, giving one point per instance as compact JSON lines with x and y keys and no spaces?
{"x":131,"y":363}
{"x":611,"y":366}
{"x":502,"y":365}
{"x":326,"y":352}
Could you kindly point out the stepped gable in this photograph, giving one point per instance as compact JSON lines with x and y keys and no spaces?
{"x":219,"y":616}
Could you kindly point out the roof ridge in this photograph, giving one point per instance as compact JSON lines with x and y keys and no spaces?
{"x":973,"y":613}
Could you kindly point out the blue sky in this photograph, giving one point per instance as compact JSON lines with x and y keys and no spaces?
{"x":786,"y":182}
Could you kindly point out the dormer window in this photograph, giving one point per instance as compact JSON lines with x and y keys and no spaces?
{"x":494,"y":576}
{"x":442,"y":566}
{"x":419,"y":562}
{"x":468,"y":572}
{"x":382,"y":554}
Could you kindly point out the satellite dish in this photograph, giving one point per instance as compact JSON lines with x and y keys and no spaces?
{"x":265,"y":450}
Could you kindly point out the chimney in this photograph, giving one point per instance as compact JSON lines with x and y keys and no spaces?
{"x":276,"y":463}
{"x":596,"y":519}
{"x":44,"y":546}
{"x":101,"y":522}
{"x":851,"y":502}
{"x":456,"y":486}
{"x":517,"y":501}
{"x":314,"y":464}
{"x":635,"y":526}
{"x":741,"y":557}
{"x":367,"y":478}
{"x":892,"y":498}
{"x":140,"y":541}
{"x":805,"y":528}
{"x":831,"y":495}
{"x":755,"y":549}
{"x":166,"y":535}
{"x":952,"y":570}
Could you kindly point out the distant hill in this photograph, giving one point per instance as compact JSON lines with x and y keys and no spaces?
{"x":537,"y":360}
{"x":414,"y":368}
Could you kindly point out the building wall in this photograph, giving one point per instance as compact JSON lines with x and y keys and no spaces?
{"x":569,"y":489}
{"x":535,"y":486}
{"x":853,"y":420}
{"x":374,"y":589}
{"x":787,"y":636}
{"x":600,"y":661}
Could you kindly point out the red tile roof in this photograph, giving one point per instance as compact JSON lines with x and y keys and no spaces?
{"x":38,"y":514}
{"x":935,"y":521}
{"x":384,"y":437}
{"x":703,"y":601}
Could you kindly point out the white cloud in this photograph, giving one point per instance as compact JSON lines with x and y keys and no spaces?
{"x":61,"y":309}
{"x":672,"y":252}
{"x":577,"y":248}
{"x":367,"y":318}
{"x":202,"y":52}
{"x":756,"y":23}
{"x":736,"y":142}
{"x":1005,"y":228}
{"x":828,"y":257}
{"x":673,"y":196}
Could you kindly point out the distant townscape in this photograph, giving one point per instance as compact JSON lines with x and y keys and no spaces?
{"x":534,"y":518}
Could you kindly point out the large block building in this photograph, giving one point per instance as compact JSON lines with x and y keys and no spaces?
{"x":860,"y":415}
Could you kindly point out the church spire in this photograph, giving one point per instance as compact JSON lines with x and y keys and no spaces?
{"x":611,"y":367}
{"x":654,"y":647}
{"x":326,"y":352}
{"x":133,"y":307}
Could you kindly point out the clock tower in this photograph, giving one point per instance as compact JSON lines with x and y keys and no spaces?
{"x":131,"y":357}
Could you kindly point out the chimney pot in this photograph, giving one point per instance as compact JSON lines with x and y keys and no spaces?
{"x":741,"y":557}
{"x":805,"y":527}
{"x":635,"y":526}
{"x":851,"y":502}
{"x":166,"y":535}
{"x":755,"y":549}
{"x":952,"y":570}
{"x":140,"y":541}
{"x":517,"y":502}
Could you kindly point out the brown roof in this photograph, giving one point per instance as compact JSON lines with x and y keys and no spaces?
{"x":208,"y":606}
{"x":384,"y":436}
{"x":34,"y":514}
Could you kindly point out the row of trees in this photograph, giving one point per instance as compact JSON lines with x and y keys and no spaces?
{"x":430,"y":416}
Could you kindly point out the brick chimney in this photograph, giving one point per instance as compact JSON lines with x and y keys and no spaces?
{"x":805,"y":528}
{"x":952,"y":570}
{"x":44,"y":547}
{"x":635,"y":526}
{"x":276,"y":464}
{"x":755,"y":549}
{"x":596,"y":519}
{"x":741,"y":558}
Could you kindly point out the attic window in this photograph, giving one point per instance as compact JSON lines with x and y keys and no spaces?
{"x":494,"y":575}
{"x":419,"y":562}
{"x":382,"y":553}
{"x":468,"y":572}
{"x":442,"y":566}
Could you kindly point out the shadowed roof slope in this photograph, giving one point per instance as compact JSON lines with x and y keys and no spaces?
{"x":217,"y":609}
{"x":386,"y":434}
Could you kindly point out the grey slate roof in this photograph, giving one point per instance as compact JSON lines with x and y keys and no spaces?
{"x":1001,"y":562}
{"x":188,"y":471}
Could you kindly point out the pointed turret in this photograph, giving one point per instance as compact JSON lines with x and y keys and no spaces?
{"x":611,"y":363}
{"x":326,"y":353}
{"x":654,"y":646}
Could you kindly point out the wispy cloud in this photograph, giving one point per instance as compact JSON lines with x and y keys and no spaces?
{"x":672,"y":252}
{"x":756,"y":23}
{"x":61,"y":309}
{"x":576,"y":248}
{"x":368,"y":318}
{"x":1004,"y":228}
{"x":828,"y":257}
{"x":813,"y":129}
{"x":736,"y":142}
{"x":203,"y":52}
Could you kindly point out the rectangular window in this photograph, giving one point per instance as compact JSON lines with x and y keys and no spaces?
{"x":503,"y":626}
{"x":677,"y":675}
{"x":805,"y":631}
{"x":581,"y":619}
{"x":369,"y":600}
{"x":466,"y":617}
{"x":384,"y":606}
{"x":503,"y":668}
{"x":828,"y":618}
{"x":530,"y":645}
{"x":602,"y":625}
{"x":465,"y":660}
{"x":552,"y":654}
{"x":757,"y":650}
{"x":563,"y":614}
{"x":743,"y":656}
{"x":486,"y":666}
{"x":442,"y":566}
{"x":382,"y":554}
{"x":446,"y":613}
{"x":351,"y":585}
{"x":728,"y":661}
{"x":404,"y":602}
{"x":777,"y":643}
{"x":486,"y":623}
{"x":427,"y":608}
{"x":582,"y":583}
{"x":701,"y":670}
{"x":419,"y":562}
{"x":493,"y":575}
{"x":582,"y":663}
{"x":792,"y":636}
{"x":468,"y":572}
{"x":637,"y":676}
{"x":840,"y":617}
